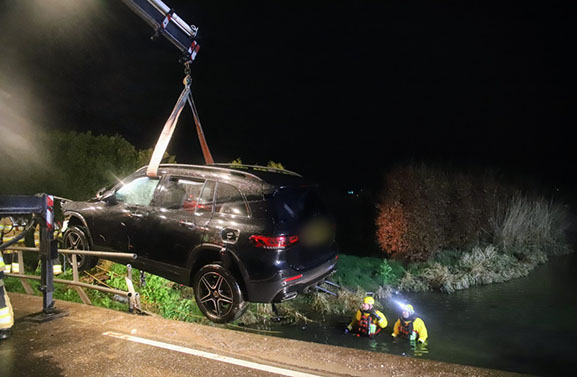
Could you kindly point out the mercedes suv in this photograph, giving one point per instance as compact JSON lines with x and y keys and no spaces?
{"x":235,"y":233}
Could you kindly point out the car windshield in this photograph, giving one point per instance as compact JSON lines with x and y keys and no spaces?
{"x":297,"y":204}
{"x":137,"y":192}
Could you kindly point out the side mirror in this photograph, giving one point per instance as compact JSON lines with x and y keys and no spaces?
{"x":109,"y":199}
{"x":113,"y":198}
{"x":100,"y":193}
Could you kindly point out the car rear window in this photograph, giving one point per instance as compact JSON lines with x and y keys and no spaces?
{"x":297,"y":204}
{"x":229,"y":200}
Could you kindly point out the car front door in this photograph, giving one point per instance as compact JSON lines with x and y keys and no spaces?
{"x":120,"y":225}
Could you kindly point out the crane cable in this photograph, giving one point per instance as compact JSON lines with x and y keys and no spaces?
{"x":201,"y":138}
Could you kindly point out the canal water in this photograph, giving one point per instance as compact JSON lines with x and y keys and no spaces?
{"x":526,"y":325}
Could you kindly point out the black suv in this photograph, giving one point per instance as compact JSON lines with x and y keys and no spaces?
{"x":235,"y":233}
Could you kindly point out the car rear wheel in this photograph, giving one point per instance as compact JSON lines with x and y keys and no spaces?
{"x":218,"y":294}
{"x":75,"y":239}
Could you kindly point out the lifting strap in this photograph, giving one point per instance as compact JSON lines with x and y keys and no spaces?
{"x":170,"y":125}
{"x":203,"y":144}
{"x":167,"y":131}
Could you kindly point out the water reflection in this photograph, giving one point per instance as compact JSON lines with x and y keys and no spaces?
{"x":517,"y":326}
{"x":383,"y":343}
{"x":419,"y":349}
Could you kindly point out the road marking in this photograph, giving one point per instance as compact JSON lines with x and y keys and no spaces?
{"x":208,"y":355}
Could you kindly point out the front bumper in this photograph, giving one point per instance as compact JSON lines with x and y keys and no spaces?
{"x":287,"y":284}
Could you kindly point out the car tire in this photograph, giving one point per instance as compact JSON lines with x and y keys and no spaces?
{"x":218,"y":294}
{"x":75,"y":239}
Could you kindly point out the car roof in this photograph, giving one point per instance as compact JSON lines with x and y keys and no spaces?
{"x":264,"y":174}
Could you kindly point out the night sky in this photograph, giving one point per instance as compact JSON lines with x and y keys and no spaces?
{"x":336,"y":90}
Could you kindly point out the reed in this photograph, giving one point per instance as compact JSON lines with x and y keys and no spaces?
{"x":529,"y":226}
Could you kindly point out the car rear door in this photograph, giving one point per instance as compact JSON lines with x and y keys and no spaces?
{"x":230,"y":219}
{"x":178,"y":219}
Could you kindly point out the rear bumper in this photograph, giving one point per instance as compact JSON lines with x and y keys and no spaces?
{"x":287,"y":284}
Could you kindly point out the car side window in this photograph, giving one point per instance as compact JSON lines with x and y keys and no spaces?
{"x":179,"y":194}
{"x":206,"y":198}
{"x":137,"y":192}
{"x":229,"y":200}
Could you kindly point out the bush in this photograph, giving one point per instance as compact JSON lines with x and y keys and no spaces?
{"x":392,"y":228}
{"x":423,"y":210}
{"x":75,"y":165}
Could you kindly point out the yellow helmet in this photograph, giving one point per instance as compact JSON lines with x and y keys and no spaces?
{"x":410,"y":308}
{"x":369,"y":300}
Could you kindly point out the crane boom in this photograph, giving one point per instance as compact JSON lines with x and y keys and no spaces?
{"x":167,"y":23}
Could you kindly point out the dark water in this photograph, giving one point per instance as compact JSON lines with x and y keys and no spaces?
{"x":527,"y":325}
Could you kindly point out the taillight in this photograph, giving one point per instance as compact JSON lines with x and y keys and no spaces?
{"x":293,"y":278}
{"x":277,"y":242}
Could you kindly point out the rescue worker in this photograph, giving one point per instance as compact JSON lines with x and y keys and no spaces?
{"x":6,"y":313}
{"x":409,"y":326}
{"x":56,"y":263}
{"x":10,"y":228}
{"x":367,"y":321}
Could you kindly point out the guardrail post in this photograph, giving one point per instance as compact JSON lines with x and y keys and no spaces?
{"x":133,"y":296}
{"x":128,"y":280}
{"x":46,"y":235}
{"x":83,"y":296}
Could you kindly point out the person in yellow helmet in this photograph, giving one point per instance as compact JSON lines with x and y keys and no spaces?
{"x":410,"y":326}
{"x":367,"y":321}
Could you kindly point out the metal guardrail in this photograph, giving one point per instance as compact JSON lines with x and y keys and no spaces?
{"x":41,"y":208}
{"x":131,"y":294}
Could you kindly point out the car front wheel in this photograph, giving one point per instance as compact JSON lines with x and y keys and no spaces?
{"x":75,"y":239}
{"x":218,"y":294}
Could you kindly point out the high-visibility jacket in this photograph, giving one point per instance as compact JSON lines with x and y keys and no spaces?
{"x":8,"y":262}
{"x":56,"y":263}
{"x":9,"y":231}
{"x":411,"y":329}
{"x":375,"y":320}
{"x":6,"y":312}
{"x":11,"y":257}
{"x":2,"y":265}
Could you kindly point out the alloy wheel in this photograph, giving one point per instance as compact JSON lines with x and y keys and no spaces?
{"x":215,"y":294}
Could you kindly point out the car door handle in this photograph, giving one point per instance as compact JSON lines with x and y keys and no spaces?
{"x":135,"y":212}
{"x":187,"y":224}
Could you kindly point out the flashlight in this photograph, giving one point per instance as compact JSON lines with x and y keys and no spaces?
{"x":401,"y":305}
